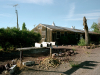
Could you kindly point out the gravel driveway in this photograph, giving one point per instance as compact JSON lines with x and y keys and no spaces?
{"x":88,"y":60}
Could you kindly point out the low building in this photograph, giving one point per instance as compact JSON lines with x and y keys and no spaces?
{"x":56,"y":34}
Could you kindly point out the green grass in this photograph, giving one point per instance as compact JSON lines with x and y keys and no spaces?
{"x":74,"y":65}
{"x":0,"y":47}
{"x":73,"y":49}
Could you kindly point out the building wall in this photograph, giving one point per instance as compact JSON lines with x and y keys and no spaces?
{"x":71,"y":37}
{"x":46,"y":33}
{"x":42,"y":30}
{"x":49,"y":35}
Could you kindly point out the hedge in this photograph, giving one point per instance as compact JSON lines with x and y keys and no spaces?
{"x":17,"y":38}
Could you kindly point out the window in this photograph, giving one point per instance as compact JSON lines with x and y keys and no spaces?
{"x":66,"y":33}
{"x":76,"y":35}
{"x":61,"y":34}
{"x":58,"y":34}
{"x":81,"y":36}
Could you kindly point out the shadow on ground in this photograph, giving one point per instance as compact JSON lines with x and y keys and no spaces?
{"x":84,"y":65}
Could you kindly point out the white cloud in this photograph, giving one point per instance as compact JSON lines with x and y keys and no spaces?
{"x":7,"y":6}
{"x":92,"y":15}
{"x":36,"y":1}
{"x":96,"y":10}
{"x":74,"y":19}
{"x":5,"y":15}
{"x":71,"y":11}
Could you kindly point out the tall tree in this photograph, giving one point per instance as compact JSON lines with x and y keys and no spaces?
{"x":24,"y":26}
{"x":86,"y":31}
{"x":99,"y":23}
{"x":95,"y":27}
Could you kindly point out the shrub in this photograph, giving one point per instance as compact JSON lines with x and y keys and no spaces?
{"x":73,"y":49}
{"x":74,"y":65}
{"x":0,"y":47}
{"x":13,"y":37}
{"x":81,"y":42}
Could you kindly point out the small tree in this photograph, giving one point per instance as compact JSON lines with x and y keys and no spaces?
{"x":81,"y":42}
{"x":95,"y":27}
{"x":24,"y":26}
{"x":99,"y":23}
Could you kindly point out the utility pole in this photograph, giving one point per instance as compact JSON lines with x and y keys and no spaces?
{"x":16,"y":14}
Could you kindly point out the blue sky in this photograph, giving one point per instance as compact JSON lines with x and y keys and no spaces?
{"x":65,"y":13}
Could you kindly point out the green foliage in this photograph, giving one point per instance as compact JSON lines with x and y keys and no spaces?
{"x":13,"y":37}
{"x":81,"y":42}
{"x":0,"y":47}
{"x":73,"y":49}
{"x":74,"y":65}
{"x":32,"y":30}
{"x":95,"y":27}
{"x":24,"y":26}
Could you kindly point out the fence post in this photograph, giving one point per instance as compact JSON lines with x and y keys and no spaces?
{"x":20,"y":57}
{"x":50,"y":52}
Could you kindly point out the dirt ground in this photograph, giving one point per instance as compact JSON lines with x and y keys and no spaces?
{"x":87,"y":59}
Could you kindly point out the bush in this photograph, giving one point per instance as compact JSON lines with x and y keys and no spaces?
{"x":81,"y":42}
{"x":74,"y":65}
{"x":0,"y":47}
{"x":13,"y":37}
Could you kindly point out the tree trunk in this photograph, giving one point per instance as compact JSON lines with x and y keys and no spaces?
{"x":86,"y":31}
{"x":86,"y":37}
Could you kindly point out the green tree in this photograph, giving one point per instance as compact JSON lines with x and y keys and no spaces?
{"x":24,"y":26}
{"x":95,"y":27}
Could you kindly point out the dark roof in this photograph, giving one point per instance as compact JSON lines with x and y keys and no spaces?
{"x":67,"y":29}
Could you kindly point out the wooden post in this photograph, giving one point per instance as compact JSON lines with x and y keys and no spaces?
{"x":20,"y":57}
{"x":86,"y":31}
{"x":50,"y":52}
